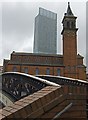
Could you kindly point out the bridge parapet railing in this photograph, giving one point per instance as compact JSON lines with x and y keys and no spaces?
{"x":70,"y":85}
{"x":19,"y":85}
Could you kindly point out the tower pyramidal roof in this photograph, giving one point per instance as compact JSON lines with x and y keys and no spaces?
{"x":69,"y":11}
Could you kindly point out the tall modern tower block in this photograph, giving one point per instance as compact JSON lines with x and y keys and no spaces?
{"x":45,"y":34}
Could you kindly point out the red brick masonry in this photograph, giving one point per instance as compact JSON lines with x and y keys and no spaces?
{"x":47,"y":103}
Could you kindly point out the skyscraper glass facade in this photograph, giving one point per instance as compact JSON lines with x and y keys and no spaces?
{"x":45,"y":34}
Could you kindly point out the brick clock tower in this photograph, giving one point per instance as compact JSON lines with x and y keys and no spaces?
{"x":69,"y":36}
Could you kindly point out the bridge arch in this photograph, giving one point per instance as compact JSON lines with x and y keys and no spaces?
{"x":18,"y":85}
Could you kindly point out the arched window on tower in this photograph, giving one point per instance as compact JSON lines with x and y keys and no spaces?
{"x":72,"y":25}
{"x":68,"y":24}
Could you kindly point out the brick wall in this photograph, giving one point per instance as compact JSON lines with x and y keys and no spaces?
{"x":32,"y":61}
{"x":47,"y":103}
{"x":69,"y":48}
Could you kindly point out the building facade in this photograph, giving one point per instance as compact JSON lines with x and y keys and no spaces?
{"x":70,"y":64}
{"x":43,"y":64}
{"x":45,"y":34}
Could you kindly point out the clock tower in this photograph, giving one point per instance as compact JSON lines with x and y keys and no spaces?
{"x":69,"y":34}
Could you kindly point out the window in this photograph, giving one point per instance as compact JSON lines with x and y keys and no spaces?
{"x":26,"y":70}
{"x":37,"y":71}
{"x":47,"y":71}
{"x":14,"y":69}
{"x":68,"y":25}
{"x":58,"y":71}
{"x":72,"y":25}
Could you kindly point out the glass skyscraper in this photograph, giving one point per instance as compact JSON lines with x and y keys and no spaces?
{"x":45,"y":34}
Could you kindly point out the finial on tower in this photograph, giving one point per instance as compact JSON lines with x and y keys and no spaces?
{"x":69,"y":11}
{"x":69,"y":3}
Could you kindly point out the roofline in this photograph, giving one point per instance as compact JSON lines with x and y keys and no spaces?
{"x":35,"y":64}
{"x":38,"y":54}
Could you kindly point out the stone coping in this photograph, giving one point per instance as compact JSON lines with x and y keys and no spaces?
{"x":33,"y":105}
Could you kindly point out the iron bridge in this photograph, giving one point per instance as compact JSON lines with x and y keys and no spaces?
{"x":18,"y":85}
{"x":64,"y":80}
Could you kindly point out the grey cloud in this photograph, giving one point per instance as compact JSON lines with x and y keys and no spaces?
{"x":17,"y":20}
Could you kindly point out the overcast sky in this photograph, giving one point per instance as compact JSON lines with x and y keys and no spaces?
{"x":17,"y":25}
